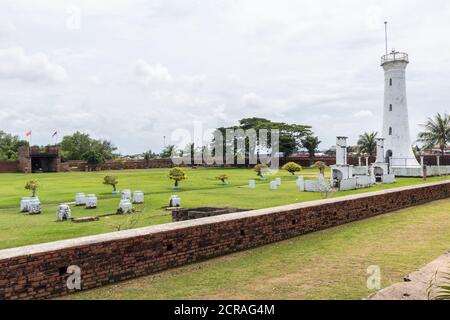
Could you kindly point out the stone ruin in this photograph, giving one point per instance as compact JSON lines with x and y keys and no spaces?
{"x":198,"y":213}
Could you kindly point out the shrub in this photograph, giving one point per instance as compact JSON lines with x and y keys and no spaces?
{"x":177,"y":175}
{"x":261,"y":169}
{"x":111,"y":181}
{"x":223,"y":178}
{"x":321,"y":166}
{"x":292,"y":167}
{"x":33,"y":186}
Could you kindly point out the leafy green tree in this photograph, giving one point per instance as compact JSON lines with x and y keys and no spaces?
{"x":223,"y":177}
{"x":111,"y":181}
{"x":177,"y":175}
{"x":166,"y":153}
{"x":261,"y":169}
{"x":311,"y":144}
{"x":33,"y":186}
{"x":93,"y":158}
{"x":75,"y":146}
{"x":290,"y":136}
{"x":292,"y":167}
{"x":436,"y":132}
{"x":149,"y":155}
{"x":367,"y":143}
{"x":9,"y":146}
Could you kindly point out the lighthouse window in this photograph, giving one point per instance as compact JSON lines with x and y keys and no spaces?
{"x":390,"y":131}
{"x":390,"y":107}
{"x":390,"y":82}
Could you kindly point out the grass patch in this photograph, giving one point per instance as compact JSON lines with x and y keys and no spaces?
{"x":201,"y":189}
{"x":330,"y":264}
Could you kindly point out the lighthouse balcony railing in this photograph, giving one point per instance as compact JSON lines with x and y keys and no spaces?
{"x":394,"y":56}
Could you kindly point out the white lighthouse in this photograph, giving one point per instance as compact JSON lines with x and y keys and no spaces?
{"x":397,"y":145}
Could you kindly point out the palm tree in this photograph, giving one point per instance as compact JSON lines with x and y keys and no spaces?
{"x":311,"y":144}
{"x":437,"y":132}
{"x":367,"y":143}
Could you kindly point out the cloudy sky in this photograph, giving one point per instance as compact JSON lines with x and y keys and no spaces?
{"x":134,"y":71}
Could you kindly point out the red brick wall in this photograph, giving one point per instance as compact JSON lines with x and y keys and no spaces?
{"x":38,"y":271}
{"x":9,"y":166}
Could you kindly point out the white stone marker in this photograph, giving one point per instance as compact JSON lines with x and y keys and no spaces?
{"x":80,"y":199}
{"x":252,"y":184}
{"x":63,"y":213}
{"x":125,"y":205}
{"x":91,"y":201}
{"x":175,"y":201}
{"x":138,"y":197}
{"x":25,"y":204}
{"x":301,"y":183}
{"x":278,"y":181}
{"x":273,"y":185}
{"x":126,"y":194}
{"x":35,"y":206}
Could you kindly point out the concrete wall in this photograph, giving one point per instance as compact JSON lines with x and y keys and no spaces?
{"x":39,"y":271}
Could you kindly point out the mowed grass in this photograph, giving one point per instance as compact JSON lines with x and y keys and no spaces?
{"x":330,"y":264}
{"x":201,"y":189}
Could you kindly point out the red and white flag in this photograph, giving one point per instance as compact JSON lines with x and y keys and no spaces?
{"x":28,"y":133}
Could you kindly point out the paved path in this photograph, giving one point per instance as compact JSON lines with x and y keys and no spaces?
{"x":416,"y":288}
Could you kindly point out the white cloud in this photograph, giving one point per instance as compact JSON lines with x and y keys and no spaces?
{"x":252,"y":100}
{"x":15,"y":64}
{"x":298,"y":61}
{"x":363,"y":114}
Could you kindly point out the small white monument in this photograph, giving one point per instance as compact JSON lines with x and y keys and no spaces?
{"x":35,"y":206}
{"x":252,"y":184}
{"x":342,"y":170}
{"x":63,"y":213}
{"x":126,"y":194}
{"x":125,"y":206}
{"x":91,"y":201}
{"x":278,"y":181}
{"x":80,"y":199}
{"x":138,"y":197}
{"x":301,"y":183}
{"x":380,"y":167}
{"x":175,"y":201}
{"x":273,"y":185}
{"x":25,"y":204}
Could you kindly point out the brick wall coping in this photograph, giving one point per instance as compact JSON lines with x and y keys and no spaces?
{"x":89,"y":240}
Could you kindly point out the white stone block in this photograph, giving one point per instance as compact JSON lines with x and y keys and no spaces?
{"x":347,"y":184}
{"x":175,"y":201}
{"x":91,"y":201}
{"x":301,"y":183}
{"x":35,"y":206}
{"x":273,"y":185}
{"x":25,"y":204}
{"x":138,"y":197}
{"x":388,"y":179}
{"x":63,"y":213}
{"x":125,"y":205}
{"x":364,"y":181}
{"x":312,"y":186}
{"x":126,"y":194}
{"x":278,"y":181}
{"x":80,"y":199}
{"x":252,"y":184}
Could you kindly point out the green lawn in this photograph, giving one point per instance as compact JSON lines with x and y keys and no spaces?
{"x":330,"y":264}
{"x":201,"y":189}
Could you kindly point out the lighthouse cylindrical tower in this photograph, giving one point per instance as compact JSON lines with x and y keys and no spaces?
{"x":398,"y":149}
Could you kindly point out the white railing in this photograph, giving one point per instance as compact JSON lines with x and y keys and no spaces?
{"x":394,"y":56}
